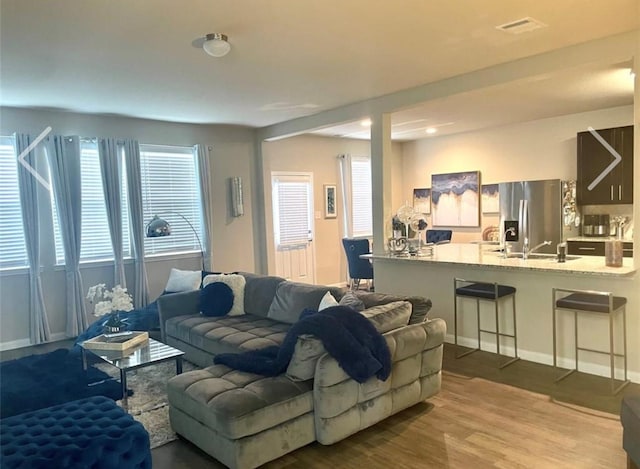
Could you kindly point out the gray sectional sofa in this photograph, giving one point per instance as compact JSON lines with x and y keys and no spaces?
{"x":245,"y":420}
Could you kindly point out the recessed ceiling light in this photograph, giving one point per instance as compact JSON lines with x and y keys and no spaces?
{"x":431,"y":130}
{"x":366,"y":123}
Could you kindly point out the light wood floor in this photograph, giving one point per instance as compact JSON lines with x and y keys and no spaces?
{"x":471,"y":423}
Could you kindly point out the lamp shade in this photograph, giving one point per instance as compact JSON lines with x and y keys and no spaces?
{"x":216,"y":45}
{"x":158,"y":227}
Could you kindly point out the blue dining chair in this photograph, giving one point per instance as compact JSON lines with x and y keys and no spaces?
{"x":439,"y":236}
{"x":359,"y":269}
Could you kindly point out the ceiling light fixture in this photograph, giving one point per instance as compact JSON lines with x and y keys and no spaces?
{"x":431,"y":130}
{"x":214,"y":44}
{"x":366,"y":123}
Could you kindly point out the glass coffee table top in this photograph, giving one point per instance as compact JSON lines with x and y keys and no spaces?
{"x":136,"y":357}
{"x":143,"y":355}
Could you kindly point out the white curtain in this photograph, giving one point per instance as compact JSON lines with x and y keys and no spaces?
{"x":205,"y":194}
{"x":64,"y":159}
{"x":132,"y":157}
{"x":28,"y":185}
{"x":110,"y":171}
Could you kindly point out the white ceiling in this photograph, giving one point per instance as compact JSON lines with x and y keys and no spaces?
{"x":289,"y":58}
{"x":564,"y":92}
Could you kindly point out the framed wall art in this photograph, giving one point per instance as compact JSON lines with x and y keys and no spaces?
{"x":455,"y":199}
{"x":330,"y":201}
{"x":490,"y":198}
{"x":422,"y":201}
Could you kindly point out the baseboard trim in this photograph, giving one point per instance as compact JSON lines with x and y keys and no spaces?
{"x":21,"y":343}
{"x":544,"y":358}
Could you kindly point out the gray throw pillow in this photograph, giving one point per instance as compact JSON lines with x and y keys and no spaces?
{"x":421,"y":306}
{"x":389,"y":316}
{"x":352,"y":301}
{"x":306,"y":354}
{"x":292,"y":298}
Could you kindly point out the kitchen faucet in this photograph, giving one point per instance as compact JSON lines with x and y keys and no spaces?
{"x":512,"y":232}
{"x":525,"y":248}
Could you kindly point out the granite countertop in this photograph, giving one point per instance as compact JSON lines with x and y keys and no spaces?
{"x":476,"y":256}
{"x":598,"y":239}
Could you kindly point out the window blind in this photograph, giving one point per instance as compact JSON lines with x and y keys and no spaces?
{"x":170,"y":186}
{"x":292,"y":219}
{"x":95,"y":238}
{"x":13,"y":251}
{"x":361,"y":195}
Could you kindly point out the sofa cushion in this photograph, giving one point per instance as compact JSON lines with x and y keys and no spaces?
{"x":292,"y":298}
{"x":236,"y":283}
{"x":306,"y":354}
{"x":389,"y":316}
{"x":420,"y":305}
{"x":238,"y":404}
{"x":216,"y":299}
{"x":259,"y":291}
{"x":227,"y":334}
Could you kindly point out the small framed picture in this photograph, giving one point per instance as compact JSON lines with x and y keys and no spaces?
{"x":330,"y":201}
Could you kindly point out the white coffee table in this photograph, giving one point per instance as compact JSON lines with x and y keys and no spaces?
{"x":144,"y":355}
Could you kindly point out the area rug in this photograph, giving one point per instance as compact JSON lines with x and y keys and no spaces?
{"x":40,"y":381}
{"x":149,"y":404}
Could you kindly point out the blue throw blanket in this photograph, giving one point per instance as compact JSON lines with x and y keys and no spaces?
{"x":347,"y":335}
{"x":141,"y":319}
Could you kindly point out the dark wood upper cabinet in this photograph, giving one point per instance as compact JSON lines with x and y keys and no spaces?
{"x":593,"y":158}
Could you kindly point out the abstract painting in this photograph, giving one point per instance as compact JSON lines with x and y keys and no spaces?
{"x":422,"y":201}
{"x":490,"y":198}
{"x":455,"y":199}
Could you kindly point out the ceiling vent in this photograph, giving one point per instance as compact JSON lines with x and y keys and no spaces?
{"x":522,"y":25}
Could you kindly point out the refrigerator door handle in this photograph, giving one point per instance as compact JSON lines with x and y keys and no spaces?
{"x":523,"y":216}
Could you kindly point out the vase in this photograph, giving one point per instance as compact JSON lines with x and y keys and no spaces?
{"x":113,"y":325}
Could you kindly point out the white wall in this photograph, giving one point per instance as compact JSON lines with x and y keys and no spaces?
{"x":317,"y":155}
{"x":232,"y":238}
{"x":542,"y":149}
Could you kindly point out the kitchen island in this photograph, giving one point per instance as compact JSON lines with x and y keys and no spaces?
{"x":534,"y":279}
{"x":479,"y":256}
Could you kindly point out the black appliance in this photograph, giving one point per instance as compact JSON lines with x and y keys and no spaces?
{"x":596,"y":225}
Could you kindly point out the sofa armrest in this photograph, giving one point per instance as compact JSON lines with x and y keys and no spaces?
{"x":342,"y":406}
{"x":177,"y":304}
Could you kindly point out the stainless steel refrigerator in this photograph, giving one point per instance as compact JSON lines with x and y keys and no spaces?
{"x":536,"y":207}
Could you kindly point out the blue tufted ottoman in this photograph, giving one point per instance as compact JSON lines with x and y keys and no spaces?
{"x":87,"y":433}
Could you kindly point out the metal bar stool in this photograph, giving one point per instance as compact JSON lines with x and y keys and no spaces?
{"x":489,"y":292}
{"x":594,"y":302}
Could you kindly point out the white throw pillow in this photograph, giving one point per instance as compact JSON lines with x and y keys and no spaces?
{"x":327,"y":301}
{"x":183,"y":280}
{"x":236,"y":282}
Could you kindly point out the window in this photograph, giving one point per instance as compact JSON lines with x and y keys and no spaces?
{"x":170,"y":188}
{"x":361,"y":204}
{"x":292,"y":210}
{"x":13,"y":251}
{"x":95,"y":239}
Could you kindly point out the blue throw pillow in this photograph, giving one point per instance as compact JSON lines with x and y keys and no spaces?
{"x":216,"y":299}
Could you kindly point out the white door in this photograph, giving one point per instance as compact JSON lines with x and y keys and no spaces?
{"x":293,"y":226}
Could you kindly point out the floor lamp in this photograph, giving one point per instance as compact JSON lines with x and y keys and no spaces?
{"x":159,"y":227}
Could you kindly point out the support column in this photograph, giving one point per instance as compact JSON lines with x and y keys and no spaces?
{"x":381,"y":179}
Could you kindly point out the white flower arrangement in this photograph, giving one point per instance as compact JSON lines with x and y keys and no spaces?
{"x":106,"y":301}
